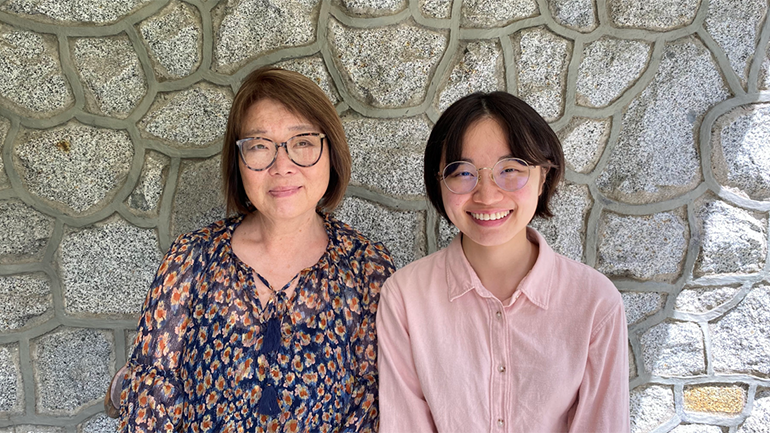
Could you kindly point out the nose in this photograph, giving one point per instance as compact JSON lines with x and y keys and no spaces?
{"x":283,"y":164}
{"x":487,"y":191}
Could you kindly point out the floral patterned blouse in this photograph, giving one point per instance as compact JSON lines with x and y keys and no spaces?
{"x":209,"y":357}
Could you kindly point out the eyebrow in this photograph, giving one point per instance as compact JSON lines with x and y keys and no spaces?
{"x":295,"y":128}
{"x":510,"y":155}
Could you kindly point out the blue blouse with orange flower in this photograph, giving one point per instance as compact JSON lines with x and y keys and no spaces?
{"x":209,"y":357}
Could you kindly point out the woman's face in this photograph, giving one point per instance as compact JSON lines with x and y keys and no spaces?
{"x":489,"y":215}
{"x":284,"y":190}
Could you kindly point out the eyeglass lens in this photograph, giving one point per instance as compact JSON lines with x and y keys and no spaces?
{"x":259,"y":153}
{"x":509,"y":174}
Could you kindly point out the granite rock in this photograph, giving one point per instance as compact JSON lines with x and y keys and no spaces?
{"x":387,"y":66}
{"x":741,"y":151}
{"x":759,"y":419}
{"x":194,"y":117}
{"x":733,"y":240}
{"x":578,"y":15}
{"x":542,"y":59}
{"x":659,"y":15}
{"x":651,"y":406}
{"x":107,"y":269}
{"x":478,"y":67}
{"x":24,"y":232}
{"x":376,"y":222}
{"x":674,"y":349}
{"x":100,"y":423}
{"x":735,"y":26}
{"x":647,"y":247}
{"x":174,"y":39}
{"x":74,"y":166}
{"x":446,"y":232}
{"x":246,"y":29}
{"x":566,"y":231}
{"x":436,"y":8}
{"x":74,"y":11}
{"x":703,"y":299}
{"x":198,"y":198}
{"x":609,"y":67}
{"x":113,"y":79}
{"x":373,"y":8}
{"x":315,"y":69}
{"x":400,"y":142}
{"x":11,"y":387}
{"x":656,"y":156}
{"x":495,"y":13}
{"x":740,"y":340}
{"x":31,"y":79}
{"x":583,"y":141}
{"x":715,"y":399}
{"x":72,"y":368}
{"x":148,"y":190}
{"x":25,"y":300}
{"x":641,"y":305}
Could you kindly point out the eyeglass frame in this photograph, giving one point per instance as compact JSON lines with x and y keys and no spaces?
{"x":442,"y":178}
{"x":278,"y":146}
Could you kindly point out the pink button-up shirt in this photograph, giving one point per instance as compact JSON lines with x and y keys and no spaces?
{"x":453,"y":358}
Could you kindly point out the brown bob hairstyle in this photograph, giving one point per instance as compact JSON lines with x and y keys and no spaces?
{"x":529,"y":138}
{"x":303,"y":98}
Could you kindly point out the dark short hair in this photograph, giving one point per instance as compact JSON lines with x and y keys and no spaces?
{"x":529,"y":138}
{"x":303,"y":98}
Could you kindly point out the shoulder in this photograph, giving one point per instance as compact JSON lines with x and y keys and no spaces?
{"x":203,"y":239}
{"x":414,"y":275}
{"x":582,"y":286}
{"x":356,"y":246}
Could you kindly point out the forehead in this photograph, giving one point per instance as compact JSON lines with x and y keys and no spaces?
{"x":482,"y":140}
{"x":268,"y":115}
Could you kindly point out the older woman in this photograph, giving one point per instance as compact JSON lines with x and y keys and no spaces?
{"x":265,"y":321}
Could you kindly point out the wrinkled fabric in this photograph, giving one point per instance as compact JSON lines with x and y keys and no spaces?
{"x":454,"y":358}
{"x":199,"y":362}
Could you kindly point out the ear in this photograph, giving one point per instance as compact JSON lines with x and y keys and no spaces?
{"x":543,"y":177}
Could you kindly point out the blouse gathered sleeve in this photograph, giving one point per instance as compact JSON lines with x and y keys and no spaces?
{"x":403,"y":405}
{"x":153,"y":396}
{"x":376,"y":266}
{"x":603,"y":404}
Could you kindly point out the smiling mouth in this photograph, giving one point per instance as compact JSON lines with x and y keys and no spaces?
{"x":490,"y":216}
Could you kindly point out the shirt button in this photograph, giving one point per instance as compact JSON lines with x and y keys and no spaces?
{"x":499,"y":315}
{"x":500,"y":422}
{"x":501,"y":369}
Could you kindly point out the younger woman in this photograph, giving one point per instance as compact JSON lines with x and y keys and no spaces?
{"x":497,"y":332}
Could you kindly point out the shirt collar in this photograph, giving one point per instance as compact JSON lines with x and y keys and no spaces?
{"x":536,"y":285}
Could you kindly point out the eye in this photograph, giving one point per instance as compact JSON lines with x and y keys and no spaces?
{"x":255,"y":144}
{"x":304,"y":143}
{"x":462,"y":174}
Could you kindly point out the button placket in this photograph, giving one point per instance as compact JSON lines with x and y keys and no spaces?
{"x":498,"y":333}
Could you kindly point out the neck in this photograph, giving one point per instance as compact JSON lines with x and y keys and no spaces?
{"x":278,"y":235}
{"x":501,"y":267}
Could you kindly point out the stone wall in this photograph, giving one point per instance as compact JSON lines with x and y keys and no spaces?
{"x":112,"y":112}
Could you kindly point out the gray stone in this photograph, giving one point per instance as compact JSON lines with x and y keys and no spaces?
{"x":647,"y":247}
{"x":373,"y":8}
{"x":566,"y":231}
{"x":674,"y":349}
{"x":246,"y":29}
{"x":735,"y":26}
{"x":436,"y":8}
{"x":24,"y":232}
{"x":733,"y":240}
{"x":198,"y":199}
{"x":583,"y":141}
{"x":631,"y":364}
{"x":74,"y":11}
{"x":25,"y":300}
{"x":740,"y":340}
{"x":74,"y":166}
{"x":478,"y":67}
{"x":759,"y":420}
{"x":174,"y":39}
{"x":406,"y":244}
{"x":387,"y":66}
{"x":542,"y":59}
{"x":446,"y":232}
{"x":741,"y":151}
{"x":36,"y":429}
{"x":651,"y":406}
{"x":576,"y":14}
{"x":100,"y":423}
{"x":609,"y":67}
{"x":696,"y":428}
{"x":72,"y":368}
{"x":388,"y":153}
{"x":315,"y":69}
{"x":31,"y":79}
{"x":658,"y":15}
{"x":496,"y":13}
{"x":5,"y":125}
{"x":764,"y":71}
{"x":641,"y":305}
{"x":130,"y":337}
{"x":148,"y":190}
{"x":703,"y":299}
{"x":656,"y":156}
{"x":107,"y":269}
{"x":194,"y":117}
{"x":111,"y":74}
{"x":11,"y":388}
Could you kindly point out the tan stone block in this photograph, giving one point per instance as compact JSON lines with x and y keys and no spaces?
{"x":726,"y":400}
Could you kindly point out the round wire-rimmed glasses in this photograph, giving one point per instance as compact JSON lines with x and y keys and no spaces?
{"x":259,"y":153}
{"x":510,"y":174}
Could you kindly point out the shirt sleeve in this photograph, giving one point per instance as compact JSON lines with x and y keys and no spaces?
{"x":403,"y":405}
{"x":603,"y":397}
{"x":377,"y":266}
{"x":152,"y":398}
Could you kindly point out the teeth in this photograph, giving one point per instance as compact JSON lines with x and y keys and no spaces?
{"x":490,"y":216}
